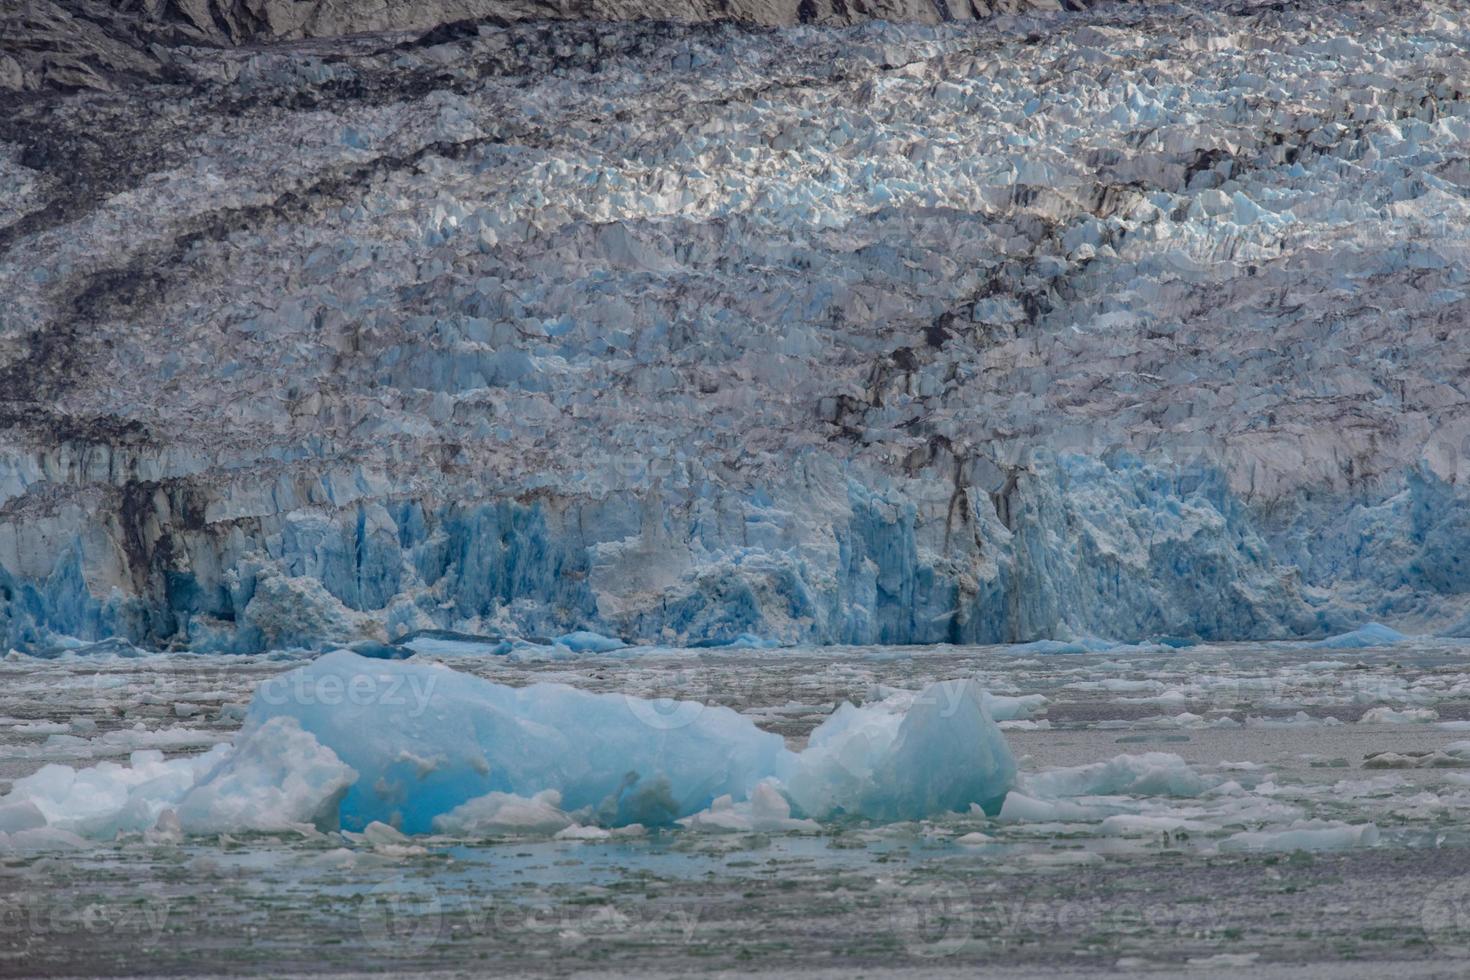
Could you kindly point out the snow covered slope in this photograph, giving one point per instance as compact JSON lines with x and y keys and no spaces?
{"x":1140,"y":321}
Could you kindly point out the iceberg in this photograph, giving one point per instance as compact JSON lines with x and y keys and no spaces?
{"x":909,"y":756}
{"x":1305,"y":835}
{"x":1148,"y":774}
{"x":346,"y":742}
{"x":586,"y":641}
{"x":1371,"y":635}
{"x":425,"y":739}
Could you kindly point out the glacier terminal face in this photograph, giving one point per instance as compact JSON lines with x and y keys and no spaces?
{"x":1139,"y":321}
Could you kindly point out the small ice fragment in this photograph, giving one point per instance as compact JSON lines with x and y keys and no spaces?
{"x":40,"y":728}
{"x":767,"y":811}
{"x":1390,"y":716}
{"x":1135,"y":825}
{"x":579,"y":833}
{"x":1305,"y":835}
{"x":505,"y":813}
{"x":1148,"y":774}
{"x":1006,"y":708}
{"x":378,"y":832}
{"x":1019,"y":808}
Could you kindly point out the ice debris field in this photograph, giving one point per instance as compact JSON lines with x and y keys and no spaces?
{"x":688,"y":771}
{"x":343,"y":743}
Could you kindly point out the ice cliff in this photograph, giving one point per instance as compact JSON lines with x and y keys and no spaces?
{"x":1137,"y":321}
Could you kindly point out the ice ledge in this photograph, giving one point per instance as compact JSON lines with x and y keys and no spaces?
{"x":1070,"y":546}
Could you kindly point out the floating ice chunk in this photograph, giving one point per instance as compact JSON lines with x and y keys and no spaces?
{"x":111,"y":797}
{"x":1413,"y":760}
{"x":1371,"y":635}
{"x":41,"y":728}
{"x":278,"y":778}
{"x":624,"y":759}
{"x":767,"y":811}
{"x":1305,"y":835}
{"x":1456,"y":755}
{"x":506,"y":813}
{"x":380,"y":834}
{"x":1006,"y":708}
{"x":579,"y":833}
{"x":447,"y":643}
{"x":1020,"y":808}
{"x":627,"y":760}
{"x":1138,"y":825}
{"x":338,"y":858}
{"x":585,"y":641}
{"x":1187,"y":719}
{"x":1149,"y":774}
{"x":903,"y":758}
{"x":1299,"y":720}
{"x":353,"y":743}
{"x":1170,"y":697}
{"x":1390,"y":716}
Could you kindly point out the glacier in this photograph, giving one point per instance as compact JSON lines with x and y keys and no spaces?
{"x":349,"y":743}
{"x":1137,"y":322}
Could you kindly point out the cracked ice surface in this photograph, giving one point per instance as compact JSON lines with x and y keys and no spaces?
{"x":1137,"y":322}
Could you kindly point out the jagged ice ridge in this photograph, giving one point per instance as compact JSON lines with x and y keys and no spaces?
{"x":1136,"y":322}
